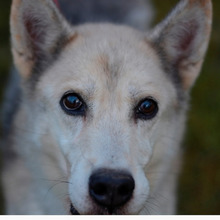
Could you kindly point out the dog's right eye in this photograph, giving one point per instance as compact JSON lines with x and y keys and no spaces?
{"x":73,"y":104}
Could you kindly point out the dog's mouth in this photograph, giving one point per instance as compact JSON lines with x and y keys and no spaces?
{"x":73,"y":211}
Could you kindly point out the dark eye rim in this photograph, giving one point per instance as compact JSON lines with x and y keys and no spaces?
{"x":143,"y":116}
{"x":77,"y":112}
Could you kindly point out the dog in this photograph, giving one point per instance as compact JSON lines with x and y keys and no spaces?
{"x":101,"y":111}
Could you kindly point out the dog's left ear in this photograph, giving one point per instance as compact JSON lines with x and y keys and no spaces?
{"x":182,"y":39}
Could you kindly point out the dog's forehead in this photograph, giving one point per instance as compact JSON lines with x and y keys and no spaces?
{"x":108,"y":58}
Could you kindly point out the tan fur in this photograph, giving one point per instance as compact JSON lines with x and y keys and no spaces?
{"x":71,"y":39}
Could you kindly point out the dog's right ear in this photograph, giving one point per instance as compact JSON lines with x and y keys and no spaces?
{"x":38,"y":30}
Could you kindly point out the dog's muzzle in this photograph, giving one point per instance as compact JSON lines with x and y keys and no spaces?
{"x":109,"y":190}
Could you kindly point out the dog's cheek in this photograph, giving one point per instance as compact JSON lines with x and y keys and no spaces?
{"x":78,"y":186}
{"x":141,"y":152}
{"x":141,"y":193}
{"x":141,"y":143}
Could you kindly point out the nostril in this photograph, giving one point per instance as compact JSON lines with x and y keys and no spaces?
{"x":124,"y":190}
{"x":100,"y":189}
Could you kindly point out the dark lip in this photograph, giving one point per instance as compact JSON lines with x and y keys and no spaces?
{"x":73,"y":211}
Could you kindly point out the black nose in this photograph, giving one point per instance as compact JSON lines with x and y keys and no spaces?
{"x":111,"y":189}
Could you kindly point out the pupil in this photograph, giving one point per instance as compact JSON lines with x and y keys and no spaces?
{"x":72,"y":102}
{"x":147,"y":105}
{"x":72,"y":99}
{"x":147,"y":109}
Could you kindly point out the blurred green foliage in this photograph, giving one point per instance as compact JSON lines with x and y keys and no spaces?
{"x":5,"y":55}
{"x":5,"y":60}
{"x":199,"y":188}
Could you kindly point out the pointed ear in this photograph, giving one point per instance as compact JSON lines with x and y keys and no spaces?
{"x":182,"y":39}
{"x":38,"y":30}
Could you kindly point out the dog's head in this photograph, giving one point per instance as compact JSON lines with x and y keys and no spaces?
{"x":111,"y":98}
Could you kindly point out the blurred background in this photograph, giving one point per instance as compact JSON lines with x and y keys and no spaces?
{"x":199,"y":186}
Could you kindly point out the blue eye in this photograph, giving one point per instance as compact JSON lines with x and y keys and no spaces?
{"x":72,"y":104}
{"x":147,"y":109}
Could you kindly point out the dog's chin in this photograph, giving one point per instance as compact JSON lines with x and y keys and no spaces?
{"x":97,"y":211}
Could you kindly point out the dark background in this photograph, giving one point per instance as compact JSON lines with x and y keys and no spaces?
{"x":199,"y":188}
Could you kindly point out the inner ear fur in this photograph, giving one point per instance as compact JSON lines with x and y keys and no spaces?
{"x":183,"y":38}
{"x":37,"y":31}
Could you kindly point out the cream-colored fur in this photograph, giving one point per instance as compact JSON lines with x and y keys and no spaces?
{"x":112,"y":67}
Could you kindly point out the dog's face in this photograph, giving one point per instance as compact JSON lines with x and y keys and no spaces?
{"x":109,"y":108}
{"x":110,"y":97}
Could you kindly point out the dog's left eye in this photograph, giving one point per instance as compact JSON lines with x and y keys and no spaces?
{"x":72,"y":104}
{"x":146,"y":109}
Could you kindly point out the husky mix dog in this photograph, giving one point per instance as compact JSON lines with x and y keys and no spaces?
{"x":98,"y":122}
